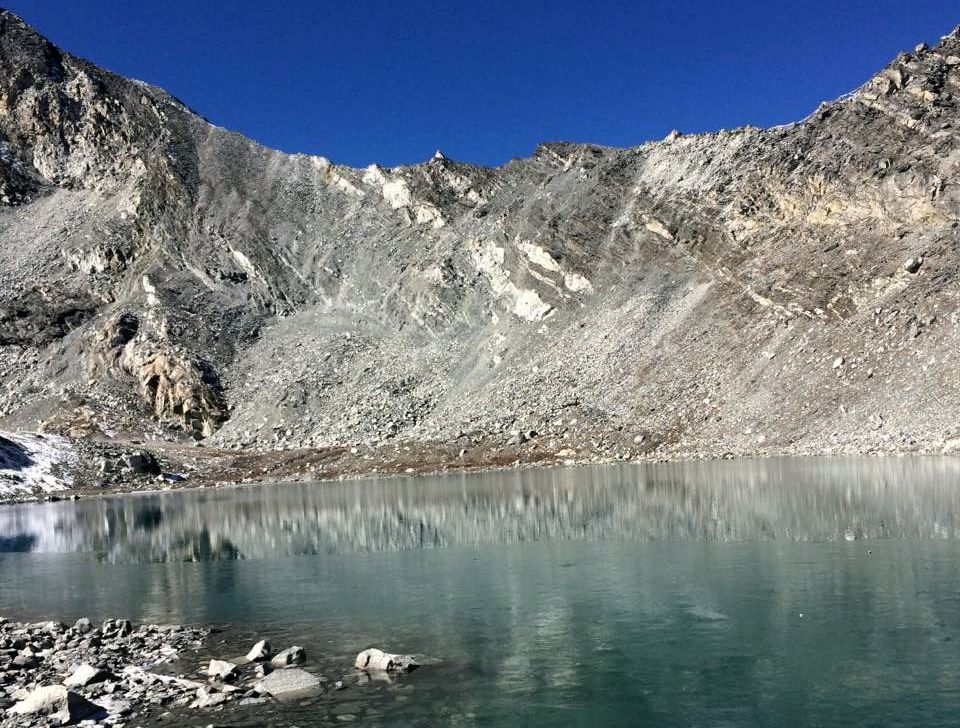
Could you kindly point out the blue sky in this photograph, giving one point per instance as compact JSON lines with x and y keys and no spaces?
{"x":484,"y":81}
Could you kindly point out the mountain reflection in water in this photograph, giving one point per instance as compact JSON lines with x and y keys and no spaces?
{"x":792,"y":500}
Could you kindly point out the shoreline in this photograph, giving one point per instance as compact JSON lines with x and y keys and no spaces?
{"x":117,"y":672}
{"x":214,"y":468}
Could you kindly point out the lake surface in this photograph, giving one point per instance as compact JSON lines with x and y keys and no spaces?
{"x":759,"y":593}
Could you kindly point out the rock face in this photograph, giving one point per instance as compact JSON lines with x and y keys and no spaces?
{"x":163,"y":277}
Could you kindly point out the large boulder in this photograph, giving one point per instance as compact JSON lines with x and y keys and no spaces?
{"x":56,"y":704}
{"x":87,"y":675}
{"x":290,"y":656}
{"x":373,"y":660}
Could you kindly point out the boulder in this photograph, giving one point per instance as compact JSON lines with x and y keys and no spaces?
{"x":290,"y":656}
{"x":206,"y":699}
{"x":373,"y":660}
{"x":260,"y":651}
{"x":87,"y":675}
{"x":221,"y":669}
{"x":913,"y":265}
{"x":142,"y":462}
{"x":82,"y":626}
{"x":282,"y":682}
{"x":57,"y":704}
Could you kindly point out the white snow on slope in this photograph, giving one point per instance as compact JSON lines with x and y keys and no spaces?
{"x":34,"y":463}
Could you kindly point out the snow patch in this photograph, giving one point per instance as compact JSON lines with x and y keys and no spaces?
{"x":35,"y":463}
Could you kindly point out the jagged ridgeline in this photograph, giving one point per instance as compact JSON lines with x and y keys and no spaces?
{"x":788,"y":289}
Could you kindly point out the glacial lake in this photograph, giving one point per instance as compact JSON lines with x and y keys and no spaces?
{"x":758,"y":593}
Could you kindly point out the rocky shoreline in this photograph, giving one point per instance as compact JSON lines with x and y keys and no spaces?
{"x":92,"y":467}
{"x":118,"y":674}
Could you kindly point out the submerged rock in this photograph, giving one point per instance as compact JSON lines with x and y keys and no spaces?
{"x":282,"y":682}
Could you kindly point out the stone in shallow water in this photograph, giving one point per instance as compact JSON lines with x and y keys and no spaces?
{"x":260,"y":651}
{"x":290,"y":656}
{"x":378,"y":660}
{"x":221,"y":669}
{"x":282,"y":682}
{"x":60,"y":705}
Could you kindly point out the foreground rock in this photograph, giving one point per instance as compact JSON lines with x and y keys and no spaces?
{"x":52,"y":674}
{"x":63,"y":674}
{"x":373,"y":660}
{"x":56,"y":703}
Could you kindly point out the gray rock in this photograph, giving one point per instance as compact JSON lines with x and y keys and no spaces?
{"x":57,"y":704}
{"x":374,"y":660}
{"x":222,"y":670}
{"x":290,"y":656}
{"x":284,"y":682}
{"x":87,"y":675}
{"x":82,"y":626}
{"x":208,"y":699}
{"x":913,"y":265}
{"x":142,"y":462}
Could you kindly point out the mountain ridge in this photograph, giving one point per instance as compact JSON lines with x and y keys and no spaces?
{"x":751,"y":291}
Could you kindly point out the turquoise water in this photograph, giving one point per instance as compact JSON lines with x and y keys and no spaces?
{"x":728,"y":594}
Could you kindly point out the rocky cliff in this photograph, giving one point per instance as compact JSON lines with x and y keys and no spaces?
{"x":794,"y":289}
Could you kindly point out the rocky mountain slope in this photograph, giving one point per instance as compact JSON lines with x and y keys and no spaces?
{"x":792,"y":290}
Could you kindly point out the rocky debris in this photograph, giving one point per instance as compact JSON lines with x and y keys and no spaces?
{"x":373,"y":660}
{"x":119,"y":673}
{"x":70,"y":673}
{"x":282,"y":683}
{"x":260,"y":652}
{"x":290,"y":656}
{"x":40,"y":316}
{"x":56,"y":704}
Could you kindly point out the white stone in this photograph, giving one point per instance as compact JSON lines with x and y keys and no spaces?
{"x":377,"y":660}
{"x":260,"y":651}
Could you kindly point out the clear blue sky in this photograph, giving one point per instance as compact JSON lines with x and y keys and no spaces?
{"x":487,"y":80}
